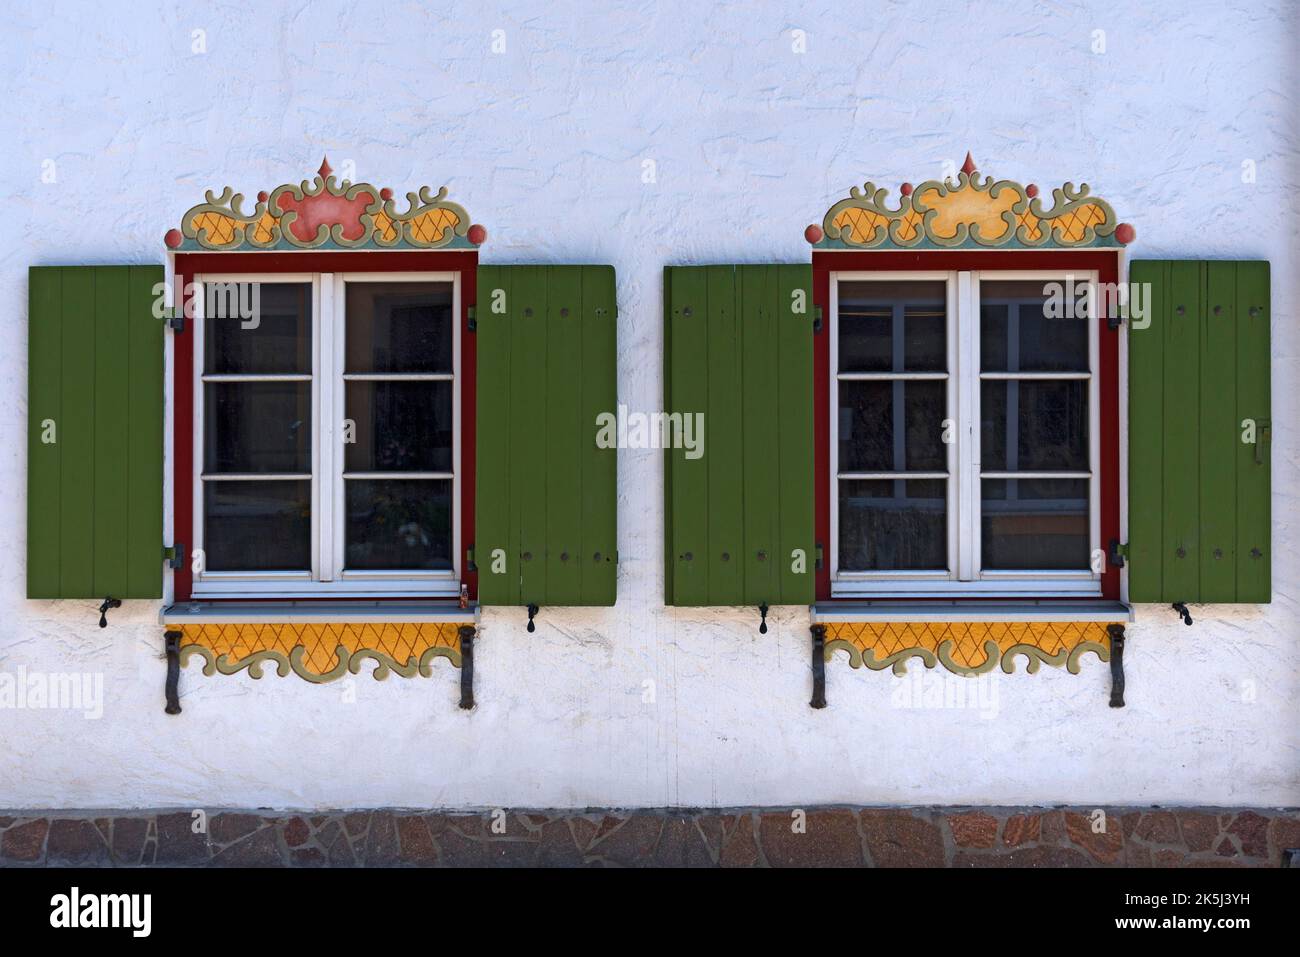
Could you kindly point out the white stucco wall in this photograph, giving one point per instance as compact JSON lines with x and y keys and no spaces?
{"x":544,"y":144}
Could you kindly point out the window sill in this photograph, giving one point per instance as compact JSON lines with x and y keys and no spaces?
{"x":334,"y":612}
{"x":971,"y":610}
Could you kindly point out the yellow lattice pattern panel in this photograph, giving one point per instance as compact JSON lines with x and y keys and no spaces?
{"x":862,"y":221}
{"x":1071,"y":226}
{"x":384,"y":227}
{"x":221,"y":229}
{"x":965,"y":644}
{"x":262,"y":231}
{"x":401,"y":642}
{"x":429,"y":227}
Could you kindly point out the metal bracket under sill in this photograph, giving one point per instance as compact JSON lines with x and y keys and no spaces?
{"x":338,"y":612}
{"x":971,"y":610}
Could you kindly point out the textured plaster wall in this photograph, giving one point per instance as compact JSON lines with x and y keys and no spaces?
{"x":545,"y":144}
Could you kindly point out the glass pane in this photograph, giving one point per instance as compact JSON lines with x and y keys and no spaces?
{"x":256,"y":427}
{"x":892,"y":426}
{"x":1034,"y":524}
{"x":1018,"y":335}
{"x":398,"y":524}
{"x":1033,"y":426}
{"x":257,"y":526}
{"x":400,"y":426}
{"x":893,"y":524}
{"x":399,"y":327}
{"x":893,"y":326}
{"x":257,"y":328}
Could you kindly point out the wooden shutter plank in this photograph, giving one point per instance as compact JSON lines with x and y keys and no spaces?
{"x":761,"y":376}
{"x":111,"y":436}
{"x":795,"y":424}
{"x":1219,"y":435}
{"x":1146,"y":404}
{"x":722,"y":441}
{"x":144,"y":503}
{"x":565,"y":432}
{"x":528,"y":438}
{"x":1254,"y":462}
{"x":44,"y":404}
{"x":599,"y":466}
{"x":77,"y":435}
{"x":494,"y":385}
{"x":690,"y":391}
{"x":1182,"y":366}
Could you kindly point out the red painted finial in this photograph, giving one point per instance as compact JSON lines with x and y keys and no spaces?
{"x":325,"y":167}
{"x":813,"y":234}
{"x":476,"y":234}
{"x":906,"y":189}
{"x":968,"y":167}
{"x":1125,"y":233}
{"x":173,"y":239}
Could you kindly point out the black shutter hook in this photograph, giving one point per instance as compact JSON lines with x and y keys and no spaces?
{"x":762,"y":611}
{"x":109,"y":602}
{"x":532,"y":610}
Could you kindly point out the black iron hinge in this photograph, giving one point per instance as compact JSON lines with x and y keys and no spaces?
{"x":469,"y":559}
{"x":472,"y":312}
{"x":174,"y":555}
{"x":820,"y":553}
{"x":817,"y":319}
{"x":1117,"y":553}
{"x":175,"y":319}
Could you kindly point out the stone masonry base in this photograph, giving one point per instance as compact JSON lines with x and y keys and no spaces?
{"x":763,"y":837}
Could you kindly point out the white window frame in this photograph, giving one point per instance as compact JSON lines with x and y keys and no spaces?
{"x":964,"y":575}
{"x":328,"y":576}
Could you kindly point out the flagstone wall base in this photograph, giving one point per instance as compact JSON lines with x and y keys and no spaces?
{"x":755,"y":837}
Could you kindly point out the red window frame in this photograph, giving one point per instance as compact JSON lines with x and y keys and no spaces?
{"x":1105,"y":263}
{"x":192,"y":264}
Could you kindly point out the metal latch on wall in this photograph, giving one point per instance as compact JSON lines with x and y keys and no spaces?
{"x":174,"y":319}
{"x":109,"y":602}
{"x":1181,"y":608}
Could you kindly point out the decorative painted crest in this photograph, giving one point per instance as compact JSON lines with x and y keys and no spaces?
{"x":970,"y":214}
{"x":326,"y":214}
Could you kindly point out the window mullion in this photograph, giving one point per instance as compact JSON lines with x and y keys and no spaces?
{"x":968,"y":454}
{"x":324,"y":386}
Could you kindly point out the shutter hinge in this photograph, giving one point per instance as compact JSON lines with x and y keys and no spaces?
{"x":1117,"y":553}
{"x":472,"y":312}
{"x":469,"y":559}
{"x":817,"y":319}
{"x":818,"y":563}
{"x":1115,"y":320}
{"x":175,"y":321}
{"x":175,"y":555}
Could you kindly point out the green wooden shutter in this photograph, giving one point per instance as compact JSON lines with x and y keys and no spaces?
{"x":1199,"y":433}
{"x":738,"y":348}
{"x":95,"y":433}
{"x":545,"y":493}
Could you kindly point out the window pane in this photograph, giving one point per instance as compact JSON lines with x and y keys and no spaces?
{"x":257,"y":526}
{"x":398,"y":524}
{"x":397,"y":327}
{"x":892,"y":426}
{"x":893,"y":524}
{"x":1034,"y":524}
{"x":257,"y":427}
{"x":400,"y":426}
{"x":1039,"y":425}
{"x":1016,"y":336}
{"x":257,"y":328}
{"x":893,"y":327}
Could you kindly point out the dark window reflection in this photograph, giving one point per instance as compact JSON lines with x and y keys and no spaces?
{"x":399,"y":327}
{"x":257,"y":526}
{"x":893,"y":524}
{"x":400,"y":426}
{"x":275,"y":339}
{"x":398,"y":524}
{"x":1034,"y":524}
{"x":1019,"y":333}
{"x":892,"y":326}
{"x":887,"y":426}
{"x":1034,"y":425}
{"x":257,"y":427}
